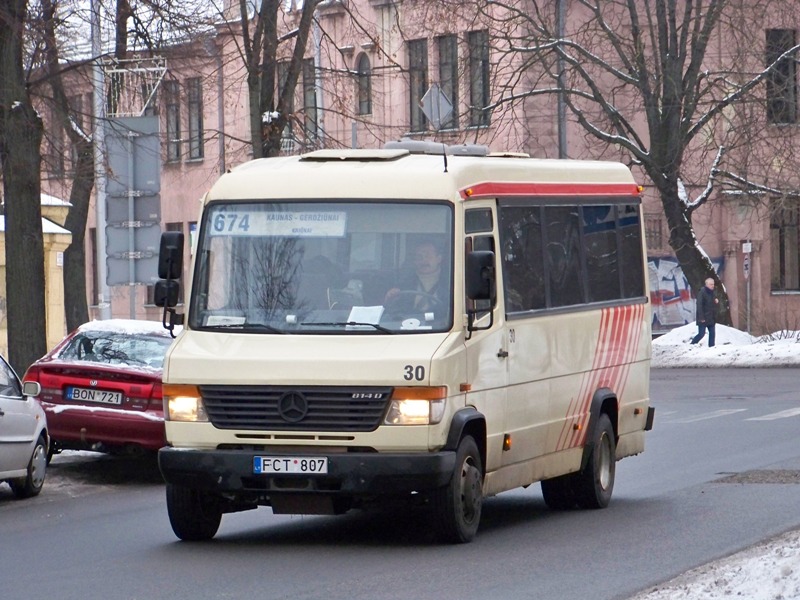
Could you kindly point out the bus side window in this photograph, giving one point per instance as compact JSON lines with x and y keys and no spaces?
{"x":522,"y":242}
{"x":563,"y":255}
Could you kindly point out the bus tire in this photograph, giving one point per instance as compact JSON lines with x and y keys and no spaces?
{"x":559,"y":493}
{"x":457,"y":506}
{"x":194,"y":515}
{"x":595,"y":483}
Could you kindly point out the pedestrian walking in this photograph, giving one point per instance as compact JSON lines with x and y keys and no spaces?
{"x":706,"y":313}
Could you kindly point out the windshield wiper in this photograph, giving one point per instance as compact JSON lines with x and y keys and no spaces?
{"x":380,"y":328}
{"x":246,"y":327}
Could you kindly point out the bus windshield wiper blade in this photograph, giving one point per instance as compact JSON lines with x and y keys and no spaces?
{"x":246,"y":327}
{"x":380,"y":328}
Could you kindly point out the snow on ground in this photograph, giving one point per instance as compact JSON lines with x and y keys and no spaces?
{"x":767,"y":571}
{"x":733,"y":348}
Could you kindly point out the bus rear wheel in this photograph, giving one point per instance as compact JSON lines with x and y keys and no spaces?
{"x":194,"y":515}
{"x":457,"y":506}
{"x":595,"y":483}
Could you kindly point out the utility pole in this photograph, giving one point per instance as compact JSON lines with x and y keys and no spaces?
{"x":562,"y":117}
{"x":103,"y":296}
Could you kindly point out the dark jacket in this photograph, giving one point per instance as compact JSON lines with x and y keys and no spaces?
{"x":706,"y":307}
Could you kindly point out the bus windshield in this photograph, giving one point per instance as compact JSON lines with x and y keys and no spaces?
{"x":324,"y":267}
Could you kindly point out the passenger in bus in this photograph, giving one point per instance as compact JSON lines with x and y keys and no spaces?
{"x":706,"y":313}
{"x":426,"y":281}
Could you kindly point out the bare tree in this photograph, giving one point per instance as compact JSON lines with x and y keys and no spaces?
{"x":262,"y":34}
{"x":20,"y":139}
{"x":69,"y":120}
{"x":637,"y":76}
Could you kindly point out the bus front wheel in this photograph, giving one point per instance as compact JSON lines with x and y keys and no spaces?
{"x":457,"y":506}
{"x":194,"y":515}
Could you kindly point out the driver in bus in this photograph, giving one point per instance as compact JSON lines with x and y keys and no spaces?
{"x":426,"y":281}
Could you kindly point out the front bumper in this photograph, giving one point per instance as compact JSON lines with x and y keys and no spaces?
{"x":351,"y":474}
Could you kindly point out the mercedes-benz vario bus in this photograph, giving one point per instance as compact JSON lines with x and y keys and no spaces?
{"x":367,"y":326}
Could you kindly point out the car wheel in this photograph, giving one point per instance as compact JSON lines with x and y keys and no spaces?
{"x":194,"y":515}
{"x":457,"y":506}
{"x":32,"y":483}
{"x":594,"y":484}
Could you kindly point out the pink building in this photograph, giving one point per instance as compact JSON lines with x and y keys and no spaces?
{"x":374,"y":68}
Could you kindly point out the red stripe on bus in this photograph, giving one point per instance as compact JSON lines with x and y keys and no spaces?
{"x":521,"y":188}
{"x":587,"y":382}
{"x":618,"y":346}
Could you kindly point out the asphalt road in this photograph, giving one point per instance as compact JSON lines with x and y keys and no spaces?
{"x":721,"y":472}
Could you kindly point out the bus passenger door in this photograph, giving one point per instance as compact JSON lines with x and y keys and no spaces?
{"x":486,"y":349}
{"x":528,"y":336}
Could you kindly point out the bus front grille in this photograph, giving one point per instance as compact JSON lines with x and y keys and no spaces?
{"x":286,"y":408}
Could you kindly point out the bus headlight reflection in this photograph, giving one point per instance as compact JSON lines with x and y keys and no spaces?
{"x":184,"y":403}
{"x":416,"y":406}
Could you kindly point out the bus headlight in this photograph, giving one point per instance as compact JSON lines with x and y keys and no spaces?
{"x":416,"y":406}
{"x":184,"y":403}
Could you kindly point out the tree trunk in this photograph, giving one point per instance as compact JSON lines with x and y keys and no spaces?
{"x":76,"y":307}
{"x":20,"y":140}
{"x":75,"y":304}
{"x":696,"y":265}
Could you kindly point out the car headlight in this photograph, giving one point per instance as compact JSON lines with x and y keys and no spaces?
{"x":416,"y":406}
{"x":184,"y":403}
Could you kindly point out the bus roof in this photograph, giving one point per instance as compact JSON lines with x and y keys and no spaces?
{"x":398,"y":174}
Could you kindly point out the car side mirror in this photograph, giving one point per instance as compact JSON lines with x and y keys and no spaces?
{"x":31,"y":388}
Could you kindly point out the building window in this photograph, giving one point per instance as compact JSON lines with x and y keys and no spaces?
{"x":195,"y":104}
{"x":785,"y":247}
{"x":364,"y":70}
{"x":782,"y":80}
{"x":76,"y":110}
{"x":653,"y":230}
{"x":287,"y":135}
{"x":448,"y":76}
{"x":418,"y":82}
{"x":478,"y":78}
{"x":94,"y":296}
{"x":55,"y":146}
{"x":173,"y":120}
{"x":310,"y":101}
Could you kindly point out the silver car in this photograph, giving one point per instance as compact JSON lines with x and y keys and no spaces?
{"x":23,"y":434}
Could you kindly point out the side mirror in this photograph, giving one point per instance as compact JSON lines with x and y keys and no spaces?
{"x":166,"y":293}
{"x":479,"y":276}
{"x":31,"y":388}
{"x":170,"y":255}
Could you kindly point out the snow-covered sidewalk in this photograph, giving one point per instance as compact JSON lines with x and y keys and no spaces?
{"x":766,"y":571}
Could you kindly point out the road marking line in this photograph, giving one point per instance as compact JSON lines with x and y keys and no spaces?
{"x":784,"y":414}
{"x":712,"y":415}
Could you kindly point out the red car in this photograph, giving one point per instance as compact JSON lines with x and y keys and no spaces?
{"x":101,"y":387}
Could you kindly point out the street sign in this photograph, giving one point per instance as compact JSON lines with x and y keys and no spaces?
{"x":133,"y":200}
{"x":436,"y":107}
{"x":746,"y":265}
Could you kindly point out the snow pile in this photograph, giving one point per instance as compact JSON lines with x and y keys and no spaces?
{"x":733,"y":348}
{"x":767,"y":571}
